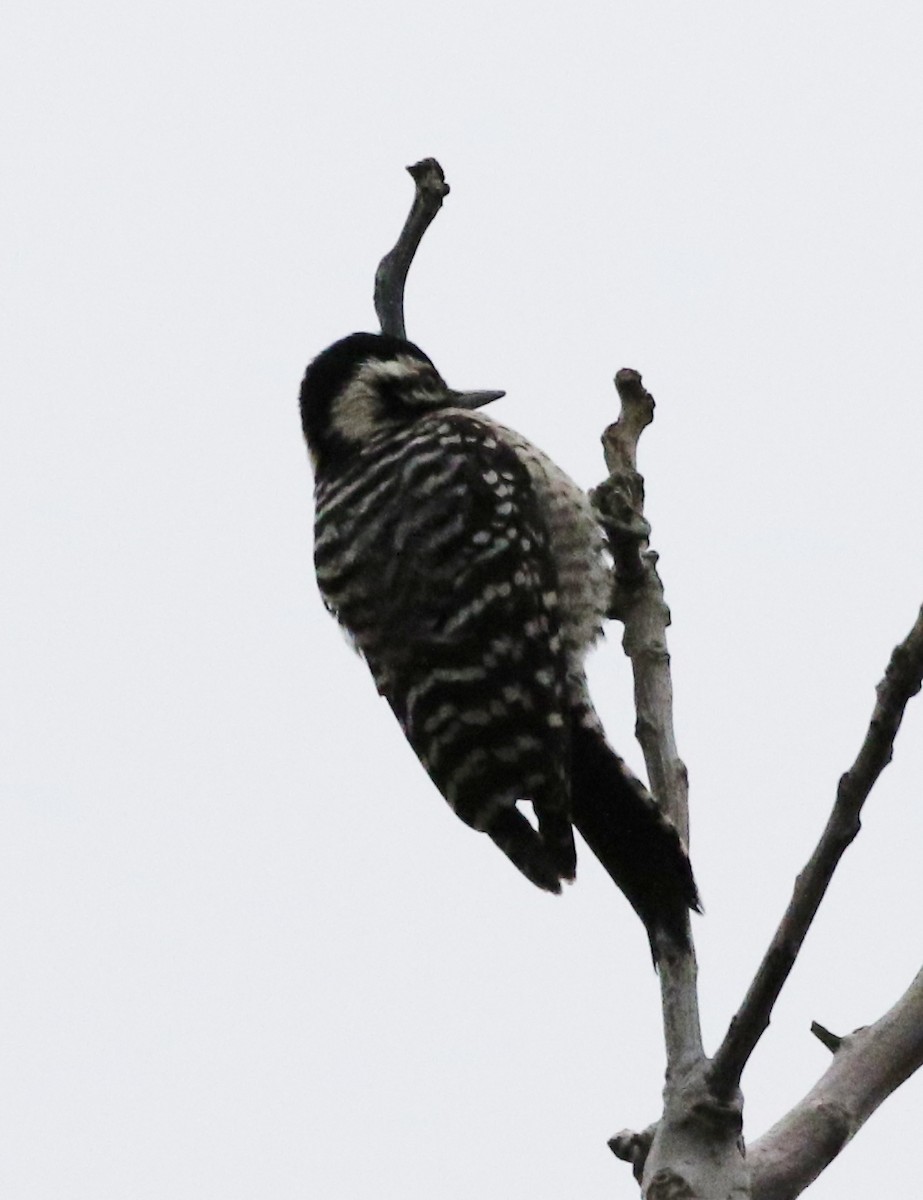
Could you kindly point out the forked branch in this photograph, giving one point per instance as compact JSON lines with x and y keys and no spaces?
{"x":695,"y":1148}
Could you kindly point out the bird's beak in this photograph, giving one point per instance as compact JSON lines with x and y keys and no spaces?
{"x":473,"y":399}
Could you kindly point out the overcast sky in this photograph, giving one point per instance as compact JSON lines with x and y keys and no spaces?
{"x":246,"y":949}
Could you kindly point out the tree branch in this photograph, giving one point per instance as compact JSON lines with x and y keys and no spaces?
{"x":901,"y":681}
{"x":638,"y":601}
{"x":867,"y":1067}
{"x":429,"y":193}
{"x":695,"y":1148}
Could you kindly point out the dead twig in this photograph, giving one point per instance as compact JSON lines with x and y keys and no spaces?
{"x":429,"y":192}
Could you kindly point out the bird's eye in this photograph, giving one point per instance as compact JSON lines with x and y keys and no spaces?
{"x":424,"y":388}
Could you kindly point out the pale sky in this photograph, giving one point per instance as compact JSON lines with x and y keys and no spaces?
{"x":247,"y":950}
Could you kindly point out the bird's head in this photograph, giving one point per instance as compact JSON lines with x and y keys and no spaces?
{"x":367,"y":383}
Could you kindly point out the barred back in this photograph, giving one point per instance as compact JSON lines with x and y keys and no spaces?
{"x":435,"y":548}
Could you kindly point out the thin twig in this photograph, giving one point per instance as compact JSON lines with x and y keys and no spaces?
{"x":901,"y":681}
{"x":429,"y":192}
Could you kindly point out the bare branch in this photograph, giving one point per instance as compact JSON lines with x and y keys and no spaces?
{"x":430,"y":191}
{"x":669,"y":1156}
{"x":639,"y":598}
{"x":639,"y":601}
{"x":901,"y":681}
{"x":867,"y":1067}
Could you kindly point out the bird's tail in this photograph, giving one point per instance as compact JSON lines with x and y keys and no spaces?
{"x":635,"y":842}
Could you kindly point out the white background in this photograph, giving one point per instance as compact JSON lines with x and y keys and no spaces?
{"x":245,"y":949}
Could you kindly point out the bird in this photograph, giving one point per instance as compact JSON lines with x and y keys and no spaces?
{"x":471,"y":573}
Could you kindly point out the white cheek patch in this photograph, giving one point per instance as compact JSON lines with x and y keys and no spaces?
{"x":356,"y":414}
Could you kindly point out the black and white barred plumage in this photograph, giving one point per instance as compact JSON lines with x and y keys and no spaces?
{"x":470,"y":572}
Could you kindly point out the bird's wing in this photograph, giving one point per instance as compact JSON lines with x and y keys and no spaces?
{"x":447,"y":587}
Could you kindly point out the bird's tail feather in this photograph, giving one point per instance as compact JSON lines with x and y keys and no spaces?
{"x":635,"y":842}
{"x":526,"y":849}
{"x":557,"y":834}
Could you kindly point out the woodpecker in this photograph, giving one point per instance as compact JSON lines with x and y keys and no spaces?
{"x":471,"y":574}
